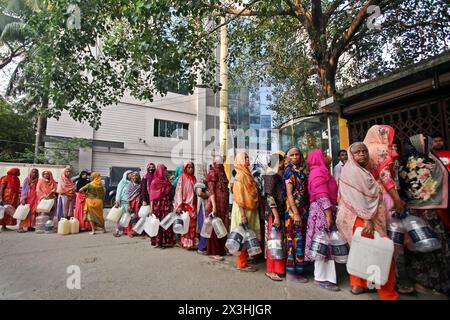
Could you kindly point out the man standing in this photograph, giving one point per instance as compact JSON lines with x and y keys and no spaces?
{"x":343,"y":157}
{"x":439,"y":150}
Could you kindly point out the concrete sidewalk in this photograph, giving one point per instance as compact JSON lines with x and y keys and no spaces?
{"x":34,"y":266}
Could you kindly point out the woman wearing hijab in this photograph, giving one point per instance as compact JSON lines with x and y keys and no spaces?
{"x":146,"y":183}
{"x":9,"y":194}
{"x":46,"y":189}
{"x":424,"y":181}
{"x":218,"y":205}
{"x":80,"y":201}
{"x":93,"y":209}
{"x":361,"y":205}
{"x":295,"y":189}
{"x":245,"y":205}
{"x":273,"y":181}
{"x":186,"y":200}
{"x":322,"y":189}
{"x":161,"y":206}
{"x":134,"y":200}
{"x":29,"y":196}
{"x":121,"y":200}
{"x":66,"y":195}
{"x":202,"y":198}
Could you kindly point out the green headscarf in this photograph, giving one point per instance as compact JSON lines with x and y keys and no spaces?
{"x":178,"y":173}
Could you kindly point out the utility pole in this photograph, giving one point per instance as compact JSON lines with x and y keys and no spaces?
{"x":224,"y":88}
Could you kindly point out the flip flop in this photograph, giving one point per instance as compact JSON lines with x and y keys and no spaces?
{"x":274,"y":276}
{"x":365,"y":290}
{"x":248,"y":269}
{"x":328,"y":286}
{"x":217,"y":258}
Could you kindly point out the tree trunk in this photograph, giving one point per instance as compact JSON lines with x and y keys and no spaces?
{"x":41,"y":128}
{"x":327,"y":75}
{"x":224,"y":89}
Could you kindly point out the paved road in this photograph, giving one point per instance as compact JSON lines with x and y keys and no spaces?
{"x":34,"y":266}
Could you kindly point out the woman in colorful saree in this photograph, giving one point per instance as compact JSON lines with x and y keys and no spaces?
{"x":93,"y":209}
{"x":80,"y":201}
{"x":186,"y":200}
{"x":322,"y":189}
{"x":121,"y":201}
{"x":273,"y":181}
{"x":295,"y":189}
{"x":424,"y":182}
{"x":9,"y":195}
{"x":134,"y":200}
{"x":245,"y":205}
{"x":46,"y":189}
{"x":161,"y":206}
{"x":361,"y":205}
{"x":218,"y":205}
{"x":66,"y":198}
{"x":29,"y":196}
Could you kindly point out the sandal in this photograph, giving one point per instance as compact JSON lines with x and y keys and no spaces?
{"x":327,"y":285}
{"x":406,"y":290}
{"x":248,"y":269}
{"x":364,"y":290}
{"x":21,"y":230}
{"x":273,"y":276}
{"x":217,"y":258}
{"x":116,"y":234}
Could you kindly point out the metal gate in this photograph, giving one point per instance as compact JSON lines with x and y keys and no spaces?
{"x":427,"y":117}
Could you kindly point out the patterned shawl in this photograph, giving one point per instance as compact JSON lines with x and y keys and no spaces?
{"x":133,"y":189}
{"x":185,"y":193}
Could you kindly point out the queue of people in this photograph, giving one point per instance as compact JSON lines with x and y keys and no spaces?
{"x":296,"y":195}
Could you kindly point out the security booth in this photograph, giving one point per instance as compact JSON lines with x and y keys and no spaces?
{"x":310,"y":132}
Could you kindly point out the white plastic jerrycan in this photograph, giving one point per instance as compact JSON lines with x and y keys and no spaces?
{"x":181,"y":223}
{"x":219,"y":227}
{"x":207,"y":228}
{"x":370,"y":259}
{"x":144,"y":211}
{"x":168,"y":220}
{"x":74,"y":225}
{"x":235,"y":240}
{"x":140,"y":225}
{"x":125,"y":220}
{"x":114,"y":214}
{"x":63,"y":226}
{"x":22,"y":212}
{"x":152,"y":226}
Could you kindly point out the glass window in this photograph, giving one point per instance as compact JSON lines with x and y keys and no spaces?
{"x":171,"y":129}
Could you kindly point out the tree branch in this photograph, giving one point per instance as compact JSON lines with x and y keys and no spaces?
{"x":14,"y":53}
{"x":331,"y":9}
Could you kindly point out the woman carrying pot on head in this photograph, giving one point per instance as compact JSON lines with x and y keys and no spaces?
{"x":29,"y":196}
{"x":121,"y":201}
{"x":322,"y":212}
{"x":361,"y":205}
{"x":273,"y":182}
{"x":186,"y":201}
{"x":218,"y":205}
{"x":93,"y":209}
{"x":83,"y":180}
{"x":66,"y":195}
{"x":245,"y":205}
{"x":424,"y":182}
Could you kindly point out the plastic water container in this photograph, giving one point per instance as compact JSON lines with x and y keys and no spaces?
{"x":152,"y":226}
{"x":125,"y":220}
{"x":251,"y":243}
{"x":40,"y":223}
{"x":275,"y":247}
{"x":114,"y":214}
{"x":74,"y":225}
{"x":370,"y":258}
{"x":319,"y":246}
{"x":339,"y":246}
{"x":45,"y":205}
{"x":144,"y":211}
{"x":421,"y":234}
{"x":22,"y":212}
{"x":2,"y":212}
{"x":63,"y":226}
{"x":235,"y":240}
{"x":219,"y":228}
{"x":207,"y":228}
{"x":396,"y":231}
{"x":167,"y":221}
{"x":49,"y":227}
{"x":140,"y":225}
{"x":181,"y":223}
